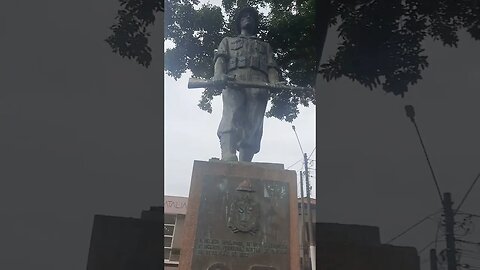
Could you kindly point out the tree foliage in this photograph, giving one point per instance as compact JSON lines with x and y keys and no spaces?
{"x":129,"y":36}
{"x":196,"y":30}
{"x":380,"y":41}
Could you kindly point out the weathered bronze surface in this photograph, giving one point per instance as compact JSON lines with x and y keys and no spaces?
{"x":242,"y":217}
{"x":249,"y":59}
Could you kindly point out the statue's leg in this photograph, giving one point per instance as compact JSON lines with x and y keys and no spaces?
{"x":230,"y":131}
{"x":256,"y":103}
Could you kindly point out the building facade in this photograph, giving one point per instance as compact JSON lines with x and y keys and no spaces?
{"x":174,"y":217}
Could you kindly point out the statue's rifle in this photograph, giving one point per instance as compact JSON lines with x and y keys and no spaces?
{"x":234,"y":83}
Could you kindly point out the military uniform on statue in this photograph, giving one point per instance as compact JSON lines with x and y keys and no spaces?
{"x":248,"y":59}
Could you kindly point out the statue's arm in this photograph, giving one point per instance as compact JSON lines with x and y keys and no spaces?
{"x":220,"y":68}
{"x":273,"y":69}
{"x":220,"y":60}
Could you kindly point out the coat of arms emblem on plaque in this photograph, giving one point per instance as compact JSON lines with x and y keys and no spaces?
{"x":244,"y":210}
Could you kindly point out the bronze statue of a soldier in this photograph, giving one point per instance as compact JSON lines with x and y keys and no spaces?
{"x":246,"y":58}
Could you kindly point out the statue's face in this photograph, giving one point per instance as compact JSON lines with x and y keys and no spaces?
{"x":247,"y":21}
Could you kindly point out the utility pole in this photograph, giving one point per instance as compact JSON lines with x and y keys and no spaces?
{"x":446,"y":201}
{"x":307,"y":183}
{"x":433,"y":259}
{"x":302,"y":226}
{"x":309,"y":210}
{"x":449,"y":233}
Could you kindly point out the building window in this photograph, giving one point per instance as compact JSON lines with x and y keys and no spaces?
{"x":168,"y":234}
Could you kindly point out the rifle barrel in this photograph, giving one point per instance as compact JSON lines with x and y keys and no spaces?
{"x":199,"y":83}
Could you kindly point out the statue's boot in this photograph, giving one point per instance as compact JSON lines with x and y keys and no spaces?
{"x":246,"y":155}
{"x":229,"y":153}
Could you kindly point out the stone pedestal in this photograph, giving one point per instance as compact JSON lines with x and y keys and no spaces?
{"x":241,"y":216}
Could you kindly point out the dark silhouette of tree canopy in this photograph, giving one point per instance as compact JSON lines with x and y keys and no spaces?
{"x":380,"y":41}
{"x":129,"y":36}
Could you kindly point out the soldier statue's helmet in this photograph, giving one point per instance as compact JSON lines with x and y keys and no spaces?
{"x":239,"y":15}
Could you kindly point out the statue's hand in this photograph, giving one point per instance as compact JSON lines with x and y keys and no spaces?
{"x":220,"y":80}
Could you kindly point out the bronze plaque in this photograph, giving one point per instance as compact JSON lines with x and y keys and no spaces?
{"x":244,"y":221}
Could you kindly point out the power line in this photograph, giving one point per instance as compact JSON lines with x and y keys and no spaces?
{"x":412,"y":226}
{"x":295,"y":163}
{"x":312,"y":152}
{"x":466,"y":194}
{"x":301,"y":166}
{"x":468,"y":242}
{"x":468,"y":251}
{"x":469,"y":214}
{"x":425,"y":247}
{"x":467,"y":266}
{"x":428,"y":245}
{"x":470,"y":257}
